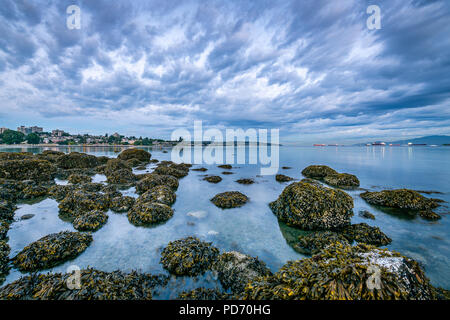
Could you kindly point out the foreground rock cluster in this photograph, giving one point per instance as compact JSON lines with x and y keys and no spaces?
{"x":331,"y":176}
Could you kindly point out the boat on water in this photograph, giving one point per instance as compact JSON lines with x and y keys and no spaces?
{"x":319,"y":145}
{"x":378,"y":144}
{"x":416,"y":144}
{"x":394,"y":144}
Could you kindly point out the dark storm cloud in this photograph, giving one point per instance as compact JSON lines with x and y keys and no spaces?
{"x":310,"y":68}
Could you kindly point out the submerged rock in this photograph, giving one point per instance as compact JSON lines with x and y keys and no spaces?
{"x":229,"y":199}
{"x":363,"y":233}
{"x":225,"y":166}
{"x":345,"y":272}
{"x":245,"y":181}
{"x":139,"y":154}
{"x":160,"y":194}
{"x":318,"y":171}
{"x":312,"y":207}
{"x":27,"y":216}
{"x":152,"y":180}
{"x":188,"y":256}
{"x":315,"y":242}
{"x":200,"y":169}
{"x":213,"y":179}
{"x":77,"y":160}
{"x":51,"y":250}
{"x":366,"y":214}
{"x":95,"y":285}
{"x":146,"y":213}
{"x":203,"y":294}
{"x":236,"y":269}
{"x":122,"y":203}
{"x":283,"y":178}
{"x":227,"y":172}
{"x":27,"y":169}
{"x":341,"y":180}
{"x":79,"y":178}
{"x":91,"y":221}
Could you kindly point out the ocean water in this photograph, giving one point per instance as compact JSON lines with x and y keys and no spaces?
{"x":253,"y":229}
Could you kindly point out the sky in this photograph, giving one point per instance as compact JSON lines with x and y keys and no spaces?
{"x":312,"y":69}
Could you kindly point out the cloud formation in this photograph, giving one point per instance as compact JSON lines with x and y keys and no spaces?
{"x":310,"y":68}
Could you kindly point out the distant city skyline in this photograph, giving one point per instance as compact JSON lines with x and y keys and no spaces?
{"x":313,"y":69}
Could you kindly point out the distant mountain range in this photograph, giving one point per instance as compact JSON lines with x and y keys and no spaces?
{"x":438,"y":140}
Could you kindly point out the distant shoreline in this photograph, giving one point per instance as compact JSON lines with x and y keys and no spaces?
{"x":43,"y":145}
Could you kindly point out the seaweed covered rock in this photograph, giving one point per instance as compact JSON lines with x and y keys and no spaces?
{"x":366,"y":214}
{"x":146,"y":213}
{"x":229,"y":199}
{"x":429,"y":215}
{"x":80,"y":202}
{"x":203,"y":294}
{"x":227,"y":172}
{"x":64,"y":174}
{"x":318,"y":171}
{"x":245,"y":181}
{"x":342,"y":180}
{"x":33,"y":190}
{"x":225,"y":166}
{"x":363,"y":233}
{"x":122,"y":176}
{"x":172,"y":171}
{"x":202,"y":169}
{"x":188,"y":256}
{"x":122,"y":203}
{"x":160,"y":194}
{"x":4,"y":228}
{"x":213,"y":179}
{"x":50,"y":155}
{"x":75,"y":160}
{"x":51,"y":250}
{"x":312,"y":207}
{"x":79,"y":178}
{"x":340,"y":271}
{"x":59,"y":192}
{"x":95,"y":285}
{"x":283,"y":178}
{"x":4,"y":253}
{"x":7,"y":209}
{"x":152,"y":180}
{"x":10,"y":190}
{"x":236,"y":269}
{"x":91,"y":221}
{"x":134,"y":153}
{"x":15,"y":156}
{"x":133,"y":163}
{"x":315,"y":242}
{"x":27,"y":169}
{"x":114,"y":165}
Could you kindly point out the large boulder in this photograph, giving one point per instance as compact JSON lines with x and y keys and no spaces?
{"x":149,"y":181}
{"x":78,"y":160}
{"x":188,"y":256}
{"x":95,"y":285}
{"x":134,"y":153}
{"x":229,"y":199}
{"x":318,"y":171}
{"x":27,"y":169}
{"x":313,"y":207}
{"x":340,"y":271}
{"x":51,"y":250}
{"x":146,"y":213}
{"x":236,"y":269}
{"x":343,"y":180}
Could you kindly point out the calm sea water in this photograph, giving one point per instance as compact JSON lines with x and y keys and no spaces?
{"x":253,"y":229}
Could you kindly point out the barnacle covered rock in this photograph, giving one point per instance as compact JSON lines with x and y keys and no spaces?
{"x":312,"y":207}
{"x":79,"y":178}
{"x":77,"y":160}
{"x":7,"y":209}
{"x":283,"y":178}
{"x":145,"y":213}
{"x":203,"y":294}
{"x":364,"y":233}
{"x":152,"y":180}
{"x":80,"y":202}
{"x":52,"y":250}
{"x":213,"y":179}
{"x":236,"y":269}
{"x":135,"y":153}
{"x":91,"y":221}
{"x":4,"y":253}
{"x":95,"y":285}
{"x":245,"y":181}
{"x":160,"y":194}
{"x":188,"y":256}
{"x":315,"y":242}
{"x":27,"y":169}
{"x":345,"y":272}
{"x":229,"y":199}
{"x":318,"y":171}
{"x":122,"y":203}
{"x":341,"y":180}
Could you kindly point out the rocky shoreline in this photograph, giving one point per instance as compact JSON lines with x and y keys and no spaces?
{"x":342,"y":255}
